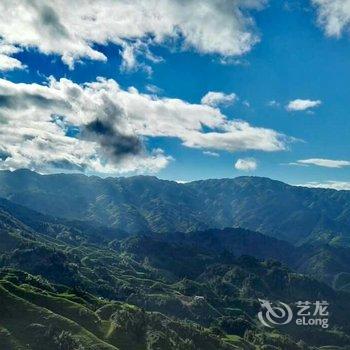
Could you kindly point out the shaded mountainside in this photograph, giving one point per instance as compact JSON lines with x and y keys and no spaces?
{"x":147,"y":291}
{"x":324,"y":262}
{"x":140,"y":204}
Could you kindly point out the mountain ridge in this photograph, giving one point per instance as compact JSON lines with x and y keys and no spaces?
{"x":263,"y":178}
{"x":146,"y":203}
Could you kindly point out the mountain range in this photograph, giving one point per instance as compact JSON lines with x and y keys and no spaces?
{"x":137,"y":276}
{"x":147,"y":204}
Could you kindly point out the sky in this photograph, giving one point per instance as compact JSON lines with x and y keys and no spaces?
{"x":183,"y":90}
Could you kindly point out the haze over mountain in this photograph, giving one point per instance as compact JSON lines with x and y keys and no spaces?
{"x":143,"y":203}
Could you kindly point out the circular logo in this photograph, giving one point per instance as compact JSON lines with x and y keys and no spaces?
{"x":278,"y":314}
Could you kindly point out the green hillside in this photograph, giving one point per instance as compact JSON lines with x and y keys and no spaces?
{"x":34,"y":315}
{"x":147,"y":291}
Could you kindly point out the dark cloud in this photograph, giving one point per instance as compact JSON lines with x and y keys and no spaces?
{"x":116,"y":144}
{"x":100,"y":128}
{"x":49,"y":20}
{"x":108,"y":129}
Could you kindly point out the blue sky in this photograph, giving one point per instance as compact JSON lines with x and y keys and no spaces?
{"x":299,"y":56}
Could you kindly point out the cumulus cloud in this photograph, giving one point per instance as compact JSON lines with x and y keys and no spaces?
{"x":246,"y":164}
{"x":213,"y":98}
{"x":333,"y":16}
{"x":335,"y":185}
{"x":101,"y":127}
{"x":71,"y":29}
{"x":65,"y":126}
{"x":327,"y":163}
{"x":302,"y":105}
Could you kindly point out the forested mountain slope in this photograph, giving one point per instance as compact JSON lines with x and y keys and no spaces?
{"x":60,"y":286}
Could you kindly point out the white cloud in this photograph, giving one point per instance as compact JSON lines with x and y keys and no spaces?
{"x":335,"y":185}
{"x":211,"y":154}
{"x":214,"y":99}
{"x":37,"y":122}
{"x":6,"y":61}
{"x":9,"y":63}
{"x":246,"y":164}
{"x":333,"y":16}
{"x":327,"y":163}
{"x":237,"y":136}
{"x":130,"y":53}
{"x":71,"y":29}
{"x":302,"y":105}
